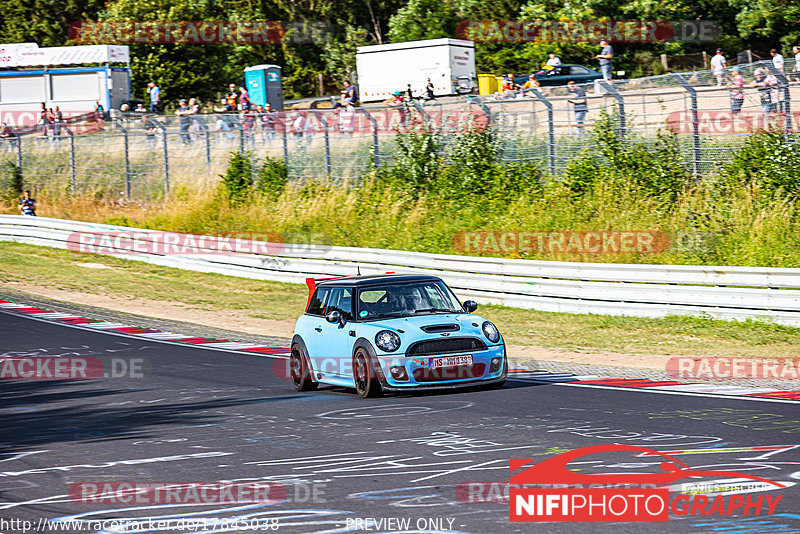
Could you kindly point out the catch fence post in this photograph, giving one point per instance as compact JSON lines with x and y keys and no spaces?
{"x":163,"y":129}
{"x":695,"y":124}
{"x":127,"y":160}
{"x":551,"y":131}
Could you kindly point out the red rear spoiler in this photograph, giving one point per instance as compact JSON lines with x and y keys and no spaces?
{"x":312,"y":285}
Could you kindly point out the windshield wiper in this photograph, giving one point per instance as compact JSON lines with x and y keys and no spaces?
{"x":433,"y":310}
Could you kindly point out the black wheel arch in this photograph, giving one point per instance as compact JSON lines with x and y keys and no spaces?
{"x":297,"y":340}
{"x":364,"y":343}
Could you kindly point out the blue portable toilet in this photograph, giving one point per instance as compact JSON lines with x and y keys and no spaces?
{"x":264,"y":84}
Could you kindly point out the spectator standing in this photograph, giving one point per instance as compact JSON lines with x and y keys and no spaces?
{"x":155,"y":97}
{"x":222,"y":126}
{"x":606,"y":59}
{"x":777,"y":59}
{"x":764,"y":84}
{"x":227,"y":109}
{"x":347,"y":118}
{"x":50,"y":117}
{"x":27,"y":205}
{"x":348,"y":93}
{"x":796,"y":52}
{"x":43,"y":119}
{"x":579,"y":104}
{"x":409,"y":92}
{"x":267,"y":122}
{"x":185,"y":121}
{"x":429,"y":90}
{"x":232,"y":96}
{"x":248,"y":123}
{"x":195,"y":111}
{"x":58,"y":119}
{"x":737,"y":93}
{"x":149,"y":128}
{"x":718,"y":65}
{"x":244,"y":98}
{"x":10,"y":135}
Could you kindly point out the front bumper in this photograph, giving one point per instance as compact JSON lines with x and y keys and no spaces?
{"x":445,"y":386}
{"x":454,"y":380}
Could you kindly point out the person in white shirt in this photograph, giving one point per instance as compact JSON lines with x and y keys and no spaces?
{"x":718,"y":65}
{"x":554,"y":62}
{"x":777,"y":59}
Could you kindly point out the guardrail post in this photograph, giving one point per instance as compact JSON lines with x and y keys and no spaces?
{"x":551,"y":133}
{"x":695,"y":124}
{"x":241,"y":139}
{"x":127,"y":160}
{"x":327,"y":147}
{"x":620,"y":105}
{"x":166,"y":156}
{"x":72,"y":181}
{"x":783,"y":85}
{"x":376,"y":160}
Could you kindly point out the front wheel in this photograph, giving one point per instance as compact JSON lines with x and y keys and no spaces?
{"x":299,"y":370}
{"x":367,"y":384}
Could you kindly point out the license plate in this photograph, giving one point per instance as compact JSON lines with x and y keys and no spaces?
{"x":450,"y":361}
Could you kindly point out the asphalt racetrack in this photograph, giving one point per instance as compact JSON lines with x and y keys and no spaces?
{"x":392,"y":464}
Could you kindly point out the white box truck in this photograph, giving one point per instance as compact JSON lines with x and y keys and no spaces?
{"x":384,"y":69}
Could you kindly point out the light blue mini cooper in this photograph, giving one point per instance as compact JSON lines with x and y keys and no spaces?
{"x":393,"y":333}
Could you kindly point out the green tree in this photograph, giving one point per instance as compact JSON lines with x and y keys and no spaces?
{"x":422,"y":19}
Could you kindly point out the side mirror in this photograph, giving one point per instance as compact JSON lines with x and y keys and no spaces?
{"x":335,"y":317}
{"x":469,"y":305}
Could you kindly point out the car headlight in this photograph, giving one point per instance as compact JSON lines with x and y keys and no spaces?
{"x":491,"y":332}
{"x":387,"y":341}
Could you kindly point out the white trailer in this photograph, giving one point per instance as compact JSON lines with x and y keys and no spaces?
{"x":384,"y":69}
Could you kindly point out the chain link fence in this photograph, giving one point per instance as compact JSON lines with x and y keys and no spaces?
{"x":140,"y":157}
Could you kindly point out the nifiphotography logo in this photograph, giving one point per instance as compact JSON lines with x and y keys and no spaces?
{"x":564,"y":495}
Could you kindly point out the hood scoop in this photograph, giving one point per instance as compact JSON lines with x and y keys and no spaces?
{"x":438,"y":328}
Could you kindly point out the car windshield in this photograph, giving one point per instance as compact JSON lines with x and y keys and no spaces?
{"x":403,"y":300}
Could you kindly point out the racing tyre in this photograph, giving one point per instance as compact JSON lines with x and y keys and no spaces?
{"x":299,"y":370}
{"x":367,"y":384}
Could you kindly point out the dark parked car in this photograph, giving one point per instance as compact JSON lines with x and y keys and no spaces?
{"x":563,"y":74}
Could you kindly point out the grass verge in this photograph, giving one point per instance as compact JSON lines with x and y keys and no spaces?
{"x":58,"y":269}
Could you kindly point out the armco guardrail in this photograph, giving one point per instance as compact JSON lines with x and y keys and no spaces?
{"x":599,"y":288}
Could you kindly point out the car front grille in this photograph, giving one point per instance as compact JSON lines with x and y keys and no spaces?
{"x":445,"y":346}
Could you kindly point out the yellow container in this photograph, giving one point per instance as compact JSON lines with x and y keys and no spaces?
{"x":500,"y":81}
{"x":487,"y":84}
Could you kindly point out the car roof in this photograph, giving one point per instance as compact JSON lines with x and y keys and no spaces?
{"x":378,"y":279}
